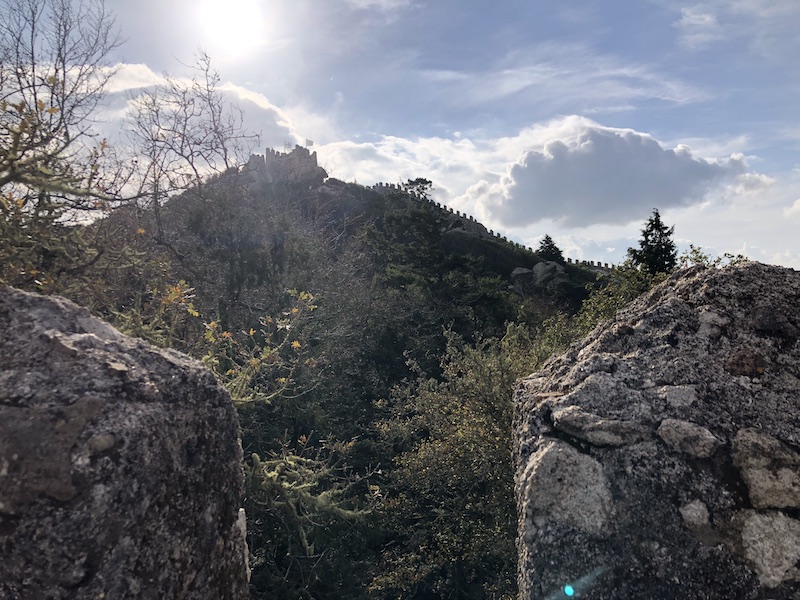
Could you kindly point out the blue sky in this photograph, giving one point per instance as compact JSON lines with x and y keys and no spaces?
{"x":572,"y":118}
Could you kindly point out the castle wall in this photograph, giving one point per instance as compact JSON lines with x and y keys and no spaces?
{"x":471,"y":224}
{"x":298,"y":166}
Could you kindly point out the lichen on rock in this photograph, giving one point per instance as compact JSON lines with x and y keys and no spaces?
{"x":658,"y":457}
{"x":120,"y":464}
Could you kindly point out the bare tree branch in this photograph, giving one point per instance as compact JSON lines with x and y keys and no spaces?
{"x":53,"y":73}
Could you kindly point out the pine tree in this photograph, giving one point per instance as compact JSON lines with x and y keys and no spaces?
{"x":549,"y":251}
{"x":657,"y":252}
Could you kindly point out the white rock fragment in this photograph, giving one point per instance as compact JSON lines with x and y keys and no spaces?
{"x":695,"y":514}
{"x":688,"y":437}
{"x":770,"y":469}
{"x":771,"y":544}
{"x":679,"y":396}
{"x":597,"y":430}
{"x":562,"y":485}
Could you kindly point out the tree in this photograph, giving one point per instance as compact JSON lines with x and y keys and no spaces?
{"x":53,"y":73}
{"x":54,"y":68}
{"x":184,"y":131}
{"x":549,"y":251}
{"x":656,"y":252}
{"x":696,"y":256}
{"x":621,"y":287}
{"x":449,"y":497}
{"x":419,"y":186}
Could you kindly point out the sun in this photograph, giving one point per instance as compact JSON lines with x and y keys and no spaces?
{"x":231,"y":29}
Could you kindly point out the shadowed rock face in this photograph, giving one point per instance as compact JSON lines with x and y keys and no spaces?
{"x":659,"y":457}
{"x":120,"y":464}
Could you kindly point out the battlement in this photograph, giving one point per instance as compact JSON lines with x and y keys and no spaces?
{"x":299,"y":165}
{"x":472,"y":224}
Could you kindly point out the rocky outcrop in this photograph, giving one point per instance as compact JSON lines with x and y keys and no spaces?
{"x":660,"y":456}
{"x":120,"y":464}
{"x":544,"y":274}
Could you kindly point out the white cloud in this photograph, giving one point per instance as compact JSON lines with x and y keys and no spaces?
{"x":132,"y":77}
{"x":760,"y":224}
{"x":794,"y":209}
{"x":566,"y":173}
{"x":713,"y":147}
{"x":561,"y":76}
{"x":260,"y":116}
{"x":748,"y":184}
{"x":452,"y":165}
{"x":698,"y":27}
{"x":767,"y":27}
{"x":585,"y":173}
{"x":380,"y":4}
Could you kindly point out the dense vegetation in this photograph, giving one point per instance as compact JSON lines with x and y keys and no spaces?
{"x":371,"y":345}
{"x":369,"y":340}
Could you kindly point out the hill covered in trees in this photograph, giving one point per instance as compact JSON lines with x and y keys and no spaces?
{"x":370,"y":339}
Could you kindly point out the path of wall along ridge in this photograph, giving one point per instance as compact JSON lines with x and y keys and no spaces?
{"x":387,"y":188}
{"x":301,"y":155}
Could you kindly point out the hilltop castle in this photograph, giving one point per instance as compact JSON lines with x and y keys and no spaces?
{"x":297,"y":166}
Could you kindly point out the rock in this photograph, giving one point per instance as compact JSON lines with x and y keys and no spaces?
{"x":548,"y":272}
{"x":695,"y":514}
{"x":595,"y":429}
{"x":679,"y":396}
{"x":771,"y":543}
{"x":544,"y":274}
{"x":564,"y":486}
{"x":658,"y":457}
{"x":770,"y":469}
{"x":688,"y":437}
{"x":120,"y":464}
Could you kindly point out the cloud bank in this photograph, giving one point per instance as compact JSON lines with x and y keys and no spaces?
{"x":588,"y":174}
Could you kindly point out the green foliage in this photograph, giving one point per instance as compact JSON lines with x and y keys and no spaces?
{"x":449,"y":499}
{"x":696,"y":256}
{"x":166,"y":317}
{"x":419,"y":186}
{"x":308,"y":517}
{"x":623,"y":285}
{"x":36,"y":246}
{"x":53,"y":170}
{"x":549,"y":251}
{"x":656,"y":252}
{"x":261,"y":364}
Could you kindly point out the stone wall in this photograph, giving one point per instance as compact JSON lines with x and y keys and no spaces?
{"x":298,"y":166}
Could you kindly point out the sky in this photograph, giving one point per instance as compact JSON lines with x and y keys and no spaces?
{"x":574,"y":119}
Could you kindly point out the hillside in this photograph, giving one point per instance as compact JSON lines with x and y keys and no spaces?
{"x":370,"y":338}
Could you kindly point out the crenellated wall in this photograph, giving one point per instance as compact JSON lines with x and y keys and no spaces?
{"x":298,"y":166}
{"x":386,"y":188}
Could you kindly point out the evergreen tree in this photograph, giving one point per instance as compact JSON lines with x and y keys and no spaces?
{"x":420,"y":186}
{"x":657,"y":252}
{"x":549,"y":251}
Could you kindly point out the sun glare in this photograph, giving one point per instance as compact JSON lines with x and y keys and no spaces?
{"x":231,"y":29}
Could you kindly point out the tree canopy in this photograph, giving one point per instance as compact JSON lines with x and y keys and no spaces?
{"x":54,"y":68}
{"x":549,"y":251}
{"x":657,"y":252}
